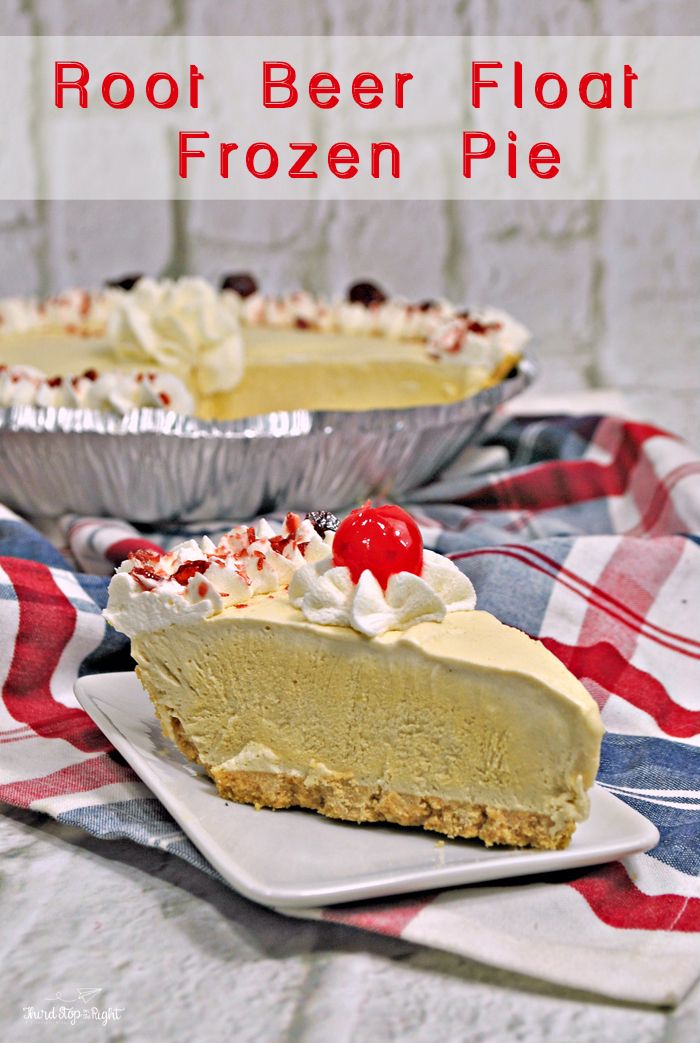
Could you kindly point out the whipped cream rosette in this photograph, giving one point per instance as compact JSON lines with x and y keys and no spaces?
{"x":380,"y":577}
{"x":327,"y":594}
{"x":182,"y":325}
{"x":485,"y":336}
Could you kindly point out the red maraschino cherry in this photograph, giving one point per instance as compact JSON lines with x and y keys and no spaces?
{"x":385,"y":540}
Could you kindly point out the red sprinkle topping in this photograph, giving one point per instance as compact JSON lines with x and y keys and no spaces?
{"x":145,"y":554}
{"x":185,"y":573}
{"x":153,"y":565}
{"x":144,"y":573}
{"x":483,"y":327}
{"x":54,"y":382}
{"x":164,"y":397}
{"x":91,"y":374}
{"x":454,"y":343}
{"x":278,"y":543}
{"x":292,"y":522}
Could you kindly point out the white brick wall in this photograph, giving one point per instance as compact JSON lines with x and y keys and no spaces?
{"x":89,"y":240}
{"x":610,"y":290}
{"x":105,"y":17}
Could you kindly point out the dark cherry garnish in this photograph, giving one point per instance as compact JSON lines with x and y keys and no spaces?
{"x":91,"y":374}
{"x":241,"y":283}
{"x":323,"y":522}
{"x":54,"y":382}
{"x":366,"y":293}
{"x":125,"y":282}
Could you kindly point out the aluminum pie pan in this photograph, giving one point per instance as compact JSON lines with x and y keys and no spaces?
{"x":153,"y":466}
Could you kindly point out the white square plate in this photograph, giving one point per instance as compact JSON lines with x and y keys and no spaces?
{"x":296,"y":859}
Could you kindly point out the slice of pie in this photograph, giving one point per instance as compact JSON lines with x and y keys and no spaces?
{"x":349,"y":673}
{"x":224,"y":355}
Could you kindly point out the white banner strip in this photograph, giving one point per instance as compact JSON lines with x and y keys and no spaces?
{"x":526,"y":117}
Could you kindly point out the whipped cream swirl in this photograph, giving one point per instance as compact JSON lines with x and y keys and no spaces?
{"x":394,"y":318}
{"x":196,"y":580}
{"x":182,"y":325}
{"x":111,"y":392}
{"x":482,"y":337}
{"x":75,"y":311}
{"x":327,"y":595}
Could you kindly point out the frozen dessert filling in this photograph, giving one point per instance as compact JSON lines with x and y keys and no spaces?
{"x":348,"y":672}
{"x":464,"y":711}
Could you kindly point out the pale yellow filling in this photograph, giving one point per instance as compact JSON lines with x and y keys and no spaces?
{"x":58,"y":354}
{"x":286,"y":370}
{"x":466,"y":709}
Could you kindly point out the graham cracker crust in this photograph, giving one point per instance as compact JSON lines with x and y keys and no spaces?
{"x":335,"y":796}
{"x":338,"y":797}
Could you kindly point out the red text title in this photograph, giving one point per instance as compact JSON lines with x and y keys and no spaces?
{"x":283,"y":88}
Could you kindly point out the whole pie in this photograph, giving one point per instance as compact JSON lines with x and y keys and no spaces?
{"x":236,"y":352}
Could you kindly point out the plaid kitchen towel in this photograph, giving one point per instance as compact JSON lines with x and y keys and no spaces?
{"x":583,"y":532}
